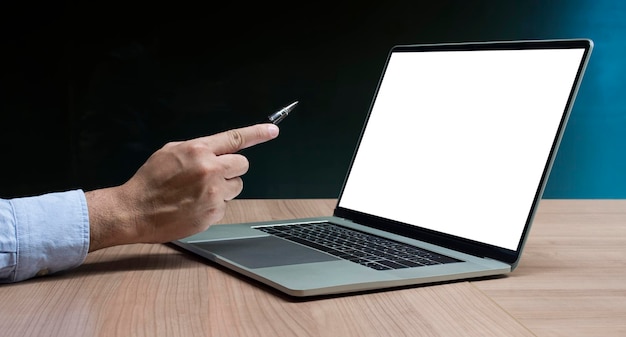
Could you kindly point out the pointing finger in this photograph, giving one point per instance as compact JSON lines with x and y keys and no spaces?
{"x":234,"y":140}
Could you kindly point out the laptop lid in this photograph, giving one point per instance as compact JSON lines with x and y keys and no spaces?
{"x":459,"y":142}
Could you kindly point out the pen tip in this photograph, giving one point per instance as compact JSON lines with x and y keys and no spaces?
{"x":291,"y":106}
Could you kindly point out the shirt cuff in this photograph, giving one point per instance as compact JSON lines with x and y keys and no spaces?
{"x":52,"y":233}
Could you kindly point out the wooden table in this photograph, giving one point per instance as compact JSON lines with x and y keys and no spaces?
{"x":571,"y":282}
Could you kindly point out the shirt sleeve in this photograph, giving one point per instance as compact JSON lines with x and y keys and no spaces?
{"x":42,"y":234}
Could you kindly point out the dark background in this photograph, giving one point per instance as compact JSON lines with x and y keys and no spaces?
{"x":90,"y":90}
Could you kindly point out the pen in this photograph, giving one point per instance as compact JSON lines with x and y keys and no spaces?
{"x":279,"y":115}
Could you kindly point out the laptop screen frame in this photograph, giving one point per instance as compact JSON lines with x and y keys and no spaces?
{"x":457,"y":243}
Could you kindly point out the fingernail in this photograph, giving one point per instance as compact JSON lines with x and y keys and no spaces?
{"x":273,"y":130}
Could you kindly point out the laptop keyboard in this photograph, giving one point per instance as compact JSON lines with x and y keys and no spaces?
{"x":366,"y":249}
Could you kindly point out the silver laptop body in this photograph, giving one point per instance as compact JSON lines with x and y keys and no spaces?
{"x":453,"y":158}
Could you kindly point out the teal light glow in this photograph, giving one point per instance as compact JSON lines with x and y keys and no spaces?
{"x":591,"y":162}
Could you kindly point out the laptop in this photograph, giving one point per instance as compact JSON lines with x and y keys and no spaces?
{"x":444,"y":183}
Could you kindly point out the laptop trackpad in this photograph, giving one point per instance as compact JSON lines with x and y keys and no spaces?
{"x":266,"y":251}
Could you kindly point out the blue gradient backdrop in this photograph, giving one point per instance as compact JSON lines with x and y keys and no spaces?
{"x":591,"y":162}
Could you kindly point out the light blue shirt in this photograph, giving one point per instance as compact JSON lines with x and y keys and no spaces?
{"x":42,"y":234}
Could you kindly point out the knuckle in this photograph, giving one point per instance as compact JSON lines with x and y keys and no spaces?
{"x":238,"y":186}
{"x":213,"y":192}
{"x":235,"y":138}
{"x":242,"y":163}
{"x":207,"y":175}
{"x":195,"y":149}
{"x":217,"y":213}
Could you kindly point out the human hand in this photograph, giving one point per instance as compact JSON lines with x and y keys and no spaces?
{"x":180,"y":190}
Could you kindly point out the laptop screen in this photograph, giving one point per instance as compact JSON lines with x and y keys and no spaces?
{"x":459,"y":141}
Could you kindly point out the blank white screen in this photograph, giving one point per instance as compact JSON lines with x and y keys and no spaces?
{"x":457,"y":141}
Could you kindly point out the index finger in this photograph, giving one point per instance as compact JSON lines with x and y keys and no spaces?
{"x":234,"y":140}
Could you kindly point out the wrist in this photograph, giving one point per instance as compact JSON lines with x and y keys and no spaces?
{"x":110,"y":220}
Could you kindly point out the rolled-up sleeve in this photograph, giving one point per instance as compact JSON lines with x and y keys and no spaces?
{"x":42,"y":234}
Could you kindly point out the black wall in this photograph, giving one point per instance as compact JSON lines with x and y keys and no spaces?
{"x":91,"y":89}
{"x":180,"y":74}
{"x":35,"y":127}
